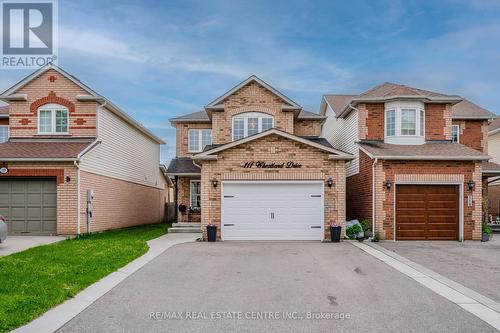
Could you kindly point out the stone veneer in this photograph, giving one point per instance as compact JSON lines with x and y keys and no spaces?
{"x":315,"y":166}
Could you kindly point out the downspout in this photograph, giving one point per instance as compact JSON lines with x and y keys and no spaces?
{"x":375,"y":161}
{"x":76,"y":163}
{"x":176,"y":199}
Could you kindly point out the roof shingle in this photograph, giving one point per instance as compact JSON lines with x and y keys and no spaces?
{"x":182,"y":165}
{"x":38,"y":150}
{"x":467,"y":109}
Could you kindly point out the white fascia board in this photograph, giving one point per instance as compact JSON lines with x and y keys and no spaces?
{"x":89,"y":148}
{"x":38,"y":159}
{"x":14,"y":97}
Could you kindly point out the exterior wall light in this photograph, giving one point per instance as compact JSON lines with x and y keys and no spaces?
{"x":214,"y":182}
{"x":68,"y":179}
{"x":330,"y":182}
{"x":388,"y":184}
{"x":471,"y":184}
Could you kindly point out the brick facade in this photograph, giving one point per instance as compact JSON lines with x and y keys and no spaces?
{"x":437,"y":122}
{"x":315,"y":166}
{"x":184,"y":198}
{"x":359,"y":190}
{"x":473,"y":133}
{"x":119,"y":204}
{"x":41,"y":91}
{"x":181,"y":137}
{"x":307,"y":128}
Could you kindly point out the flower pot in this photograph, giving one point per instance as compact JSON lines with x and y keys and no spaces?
{"x":486,"y":237}
{"x":368,"y":233}
{"x":212,"y":233}
{"x":335,"y":234}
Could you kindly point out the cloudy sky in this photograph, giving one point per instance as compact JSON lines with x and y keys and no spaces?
{"x":161,"y":59}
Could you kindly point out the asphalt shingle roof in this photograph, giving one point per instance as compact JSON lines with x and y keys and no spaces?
{"x":195,"y":116}
{"x":56,"y":149}
{"x":495,"y":124}
{"x":182,"y":165}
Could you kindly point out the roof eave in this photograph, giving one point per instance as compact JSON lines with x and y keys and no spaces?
{"x":177,"y":120}
{"x":38,"y":159}
{"x":183,"y":174}
{"x":14,"y":97}
{"x":474,"y":117}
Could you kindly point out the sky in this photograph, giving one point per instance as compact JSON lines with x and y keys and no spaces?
{"x":161,"y":59}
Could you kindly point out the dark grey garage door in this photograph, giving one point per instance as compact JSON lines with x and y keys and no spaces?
{"x":29,"y":205}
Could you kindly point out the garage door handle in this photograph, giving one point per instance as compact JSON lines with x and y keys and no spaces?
{"x":229,"y":224}
{"x":229,"y":196}
{"x":315,"y":195}
{"x":316,"y":227}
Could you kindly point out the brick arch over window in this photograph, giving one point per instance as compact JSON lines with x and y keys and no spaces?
{"x":52,"y":98}
{"x":257,"y":108}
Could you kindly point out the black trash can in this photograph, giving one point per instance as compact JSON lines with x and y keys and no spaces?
{"x":335,"y":234}
{"x":212,"y":233}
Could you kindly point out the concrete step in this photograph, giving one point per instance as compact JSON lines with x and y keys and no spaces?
{"x":175,"y":230}
{"x":186,"y":224}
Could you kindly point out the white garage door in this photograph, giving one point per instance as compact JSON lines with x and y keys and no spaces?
{"x":272,"y":210}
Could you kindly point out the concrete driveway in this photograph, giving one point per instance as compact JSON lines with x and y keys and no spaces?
{"x":15,"y":244}
{"x":346,"y":289}
{"x":476,"y":265}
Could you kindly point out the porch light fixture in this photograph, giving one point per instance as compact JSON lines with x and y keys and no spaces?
{"x":330,"y":182}
{"x":471,"y":184}
{"x":68,"y":179}
{"x":214,"y":182}
{"x":388,"y":184}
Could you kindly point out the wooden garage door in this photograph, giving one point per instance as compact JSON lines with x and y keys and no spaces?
{"x":427,"y":212}
{"x":29,"y":205}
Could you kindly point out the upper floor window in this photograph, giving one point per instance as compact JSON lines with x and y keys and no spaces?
{"x":198,"y":139}
{"x":53,"y":119}
{"x":455,"y":133}
{"x":404,"y":123}
{"x":251,"y":123}
{"x":4,"y":133}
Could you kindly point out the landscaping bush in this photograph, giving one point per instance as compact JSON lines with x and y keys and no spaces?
{"x":353,"y":230}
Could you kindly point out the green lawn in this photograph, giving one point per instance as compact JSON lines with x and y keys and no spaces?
{"x":35,"y":280}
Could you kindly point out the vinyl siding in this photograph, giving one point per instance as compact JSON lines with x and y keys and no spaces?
{"x":342,"y":133}
{"x":494,"y":151}
{"x":124,"y":153}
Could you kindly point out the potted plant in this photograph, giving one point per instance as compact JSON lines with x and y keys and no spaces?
{"x":376,"y":237}
{"x":353,"y":230}
{"x":367,"y":228}
{"x":486,"y":232}
{"x":211,"y":232}
{"x":335,"y":230}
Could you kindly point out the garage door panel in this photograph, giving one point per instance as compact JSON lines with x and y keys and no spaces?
{"x":436,"y":219}
{"x":29,"y":205}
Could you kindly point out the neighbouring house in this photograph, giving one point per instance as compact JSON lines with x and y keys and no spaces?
{"x":494,"y":170}
{"x":252,"y":163}
{"x":72,"y":162}
{"x":418,"y":172}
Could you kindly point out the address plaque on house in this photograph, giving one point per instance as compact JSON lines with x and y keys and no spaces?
{"x":272,"y":165}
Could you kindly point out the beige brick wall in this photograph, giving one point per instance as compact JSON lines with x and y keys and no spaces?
{"x":66,"y":191}
{"x":24,"y":120}
{"x":251,"y":98}
{"x":307,"y":128}
{"x":119,"y":204}
{"x":315,"y":166}
{"x":181,"y":136}
{"x":184,"y":198}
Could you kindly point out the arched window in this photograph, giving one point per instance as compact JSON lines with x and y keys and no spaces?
{"x":250,"y":123}
{"x":52,"y":119}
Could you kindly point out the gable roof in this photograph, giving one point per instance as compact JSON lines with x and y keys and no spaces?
{"x":216,"y":104}
{"x":336,"y":154}
{"x":9,"y":94}
{"x":200,"y":116}
{"x":461,"y":107}
{"x":308,"y":115}
{"x":494,"y":127}
{"x":468,"y":110}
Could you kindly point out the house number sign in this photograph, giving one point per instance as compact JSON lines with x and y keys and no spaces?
{"x":273,"y":165}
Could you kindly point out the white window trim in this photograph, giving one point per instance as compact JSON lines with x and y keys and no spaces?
{"x":245,"y":116}
{"x":8,"y":132}
{"x":191,"y":191}
{"x":458,"y":133}
{"x":53,"y":108}
{"x":398,"y":124}
{"x":200,"y":139}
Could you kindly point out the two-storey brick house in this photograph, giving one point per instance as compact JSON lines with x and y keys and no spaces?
{"x":252,"y":163}
{"x":418,"y":171}
{"x":61,"y":141}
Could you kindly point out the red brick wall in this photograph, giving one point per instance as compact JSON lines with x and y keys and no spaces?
{"x":435,"y":121}
{"x":494,"y":200}
{"x":119,"y":204}
{"x":359,"y":190}
{"x":472,"y":217}
{"x":375,"y":121}
{"x":473,"y":133}
{"x":24,"y":115}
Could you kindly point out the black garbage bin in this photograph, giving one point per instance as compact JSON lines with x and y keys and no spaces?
{"x":212,"y":233}
{"x":335,"y":234}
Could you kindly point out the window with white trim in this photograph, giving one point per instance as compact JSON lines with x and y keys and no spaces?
{"x":53,"y":119}
{"x":4,"y":133}
{"x":405,"y":123}
{"x":455,"y":133}
{"x":198,"y":139}
{"x":195,"y":194}
{"x":251,"y":123}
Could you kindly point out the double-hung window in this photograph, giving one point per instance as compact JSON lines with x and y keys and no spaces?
{"x":195,"y":194}
{"x":52,"y":119}
{"x":408,"y":122}
{"x":4,"y":133}
{"x":251,"y":123}
{"x":198,"y":139}
{"x":455,"y":133}
{"x":404,"y":123}
{"x":390,"y":122}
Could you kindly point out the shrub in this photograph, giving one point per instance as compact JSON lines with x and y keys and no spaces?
{"x":366,"y":225}
{"x":353,"y":230}
{"x":486,"y":228}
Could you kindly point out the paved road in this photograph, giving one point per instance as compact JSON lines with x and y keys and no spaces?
{"x":474,"y":264}
{"x":267,"y":279}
